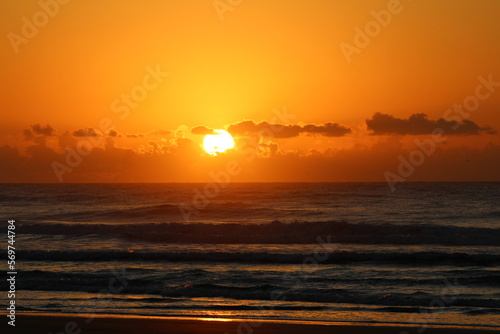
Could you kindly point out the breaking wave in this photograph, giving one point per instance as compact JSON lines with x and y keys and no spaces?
{"x":277,"y":232}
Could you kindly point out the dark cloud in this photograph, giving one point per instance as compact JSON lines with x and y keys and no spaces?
{"x":87,"y":132}
{"x":245,"y":127}
{"x":46,"y":130}
{"x":37,"y":133}
{"x":202,"y":130}
{"x":283,"y":131}
{"x":328,"y":129}
{"x":249,"y":127}
{"x":419,"y":124}
{"x":113,"y":133}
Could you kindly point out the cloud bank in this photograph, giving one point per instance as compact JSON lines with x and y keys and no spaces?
{"x":419,"y":124}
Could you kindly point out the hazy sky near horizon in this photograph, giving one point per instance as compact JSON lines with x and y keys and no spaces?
{"x":354,"y":78}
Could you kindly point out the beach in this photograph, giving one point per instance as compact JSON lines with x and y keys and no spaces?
{"x":72,"y":324}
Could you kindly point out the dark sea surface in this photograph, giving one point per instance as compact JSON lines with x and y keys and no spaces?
{"x":428,"y":253}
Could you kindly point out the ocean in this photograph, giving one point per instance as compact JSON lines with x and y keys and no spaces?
{"x":427,"y":254}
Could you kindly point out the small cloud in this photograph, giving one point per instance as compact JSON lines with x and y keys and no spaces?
{"x":37,"y":132}
{"x":133,"y":135}
{"x":112,"y":133}
{"x":419,"y":124}
{"x":46,"y":130}
{"x":202,"y":130}
{"x":87,"y":132}
{"x":268,"y":149}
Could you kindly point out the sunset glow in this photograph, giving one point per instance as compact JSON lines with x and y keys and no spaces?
{"x":312,"y":90}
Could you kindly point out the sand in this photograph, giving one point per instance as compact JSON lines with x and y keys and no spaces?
{"x":79,"y":324}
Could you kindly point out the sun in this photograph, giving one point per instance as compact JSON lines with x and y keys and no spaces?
{"x":219,"y":142}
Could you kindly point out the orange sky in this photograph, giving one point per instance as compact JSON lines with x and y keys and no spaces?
{"x":68,"y":66}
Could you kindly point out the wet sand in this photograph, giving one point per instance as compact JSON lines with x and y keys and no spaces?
{"x":81,"y":324}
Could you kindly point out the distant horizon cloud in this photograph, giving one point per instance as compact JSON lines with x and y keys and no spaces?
{"x":179,"y":160}
{"x":419,"y":124}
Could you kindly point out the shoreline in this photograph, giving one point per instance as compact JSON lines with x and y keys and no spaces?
{"x":110,"y":324}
